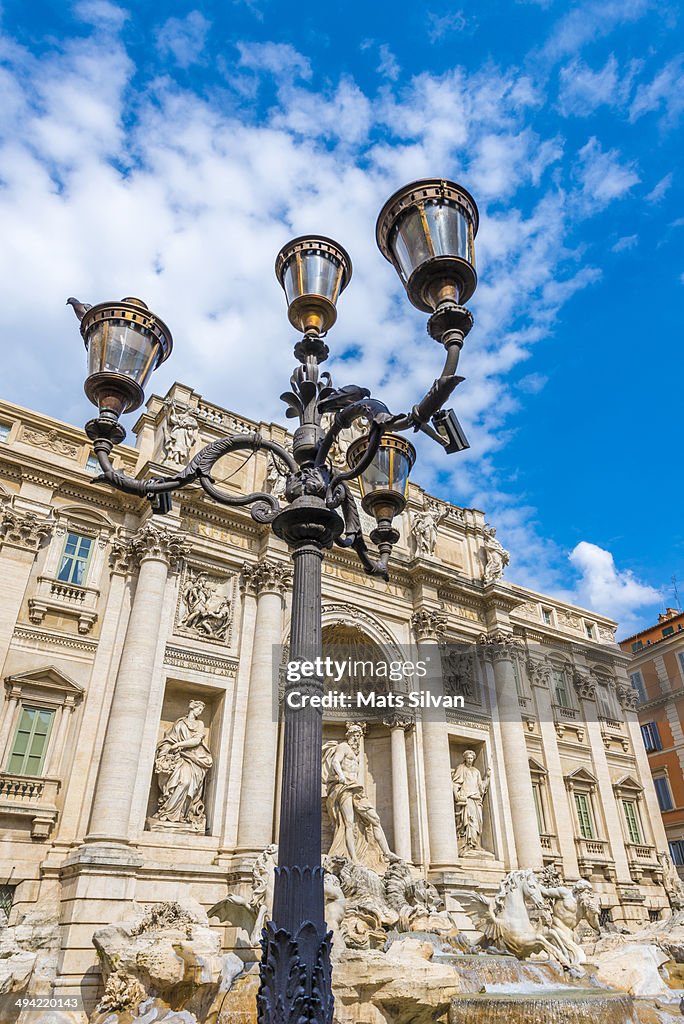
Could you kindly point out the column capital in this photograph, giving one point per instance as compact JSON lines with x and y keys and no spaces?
{"x":266,"y":577}
{"x":157,"y":543}
{"x":500,"y":646}
{"x":585,"y":685}
{"x":429,"y":624}
{"x":121,"y":555}
{"x":23,"y":529}
{"x":627,"y":696}
{"x":539,"y":672}
{"x":397,"y":721}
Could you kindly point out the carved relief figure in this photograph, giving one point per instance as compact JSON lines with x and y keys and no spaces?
{"x":358,"y":834}
{"x":469,"y":789}
{"x":496,"y":556}
{"x":276,"y":477}
{"x":207,"y":610}
{"x":424,"y":528}
{"x":181,"y":763}
{"x":180,"y":434}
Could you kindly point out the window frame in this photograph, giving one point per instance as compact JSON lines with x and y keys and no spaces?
{"x":639,"y":686}
{"x":635,"y":832}
{"x":585,"y":797}
{"x":37,"y":710}
{"x":679,"y":845}
{"x":664,"y":782}
{"x":75,"y":558}
{"x":563,"y":673}
{"x":650,"y":730}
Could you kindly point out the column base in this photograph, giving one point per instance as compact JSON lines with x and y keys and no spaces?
{"x":295,"y":976}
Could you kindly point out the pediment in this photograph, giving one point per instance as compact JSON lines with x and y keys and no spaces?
{"x":628,"y":784}
{"x":48,"y":678}
{"x":583,"y":776}
{"x":536,"y":767}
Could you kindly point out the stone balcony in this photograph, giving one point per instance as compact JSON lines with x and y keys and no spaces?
{"x":32,"y":799}
{"x":565,"y":718}
{"x":64,"y":599}
{"x":594,"y":858}
{"x":643,"y":859}
{"x":614,"y":734}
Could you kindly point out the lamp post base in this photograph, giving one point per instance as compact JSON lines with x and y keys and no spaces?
{"x":296,"y":976}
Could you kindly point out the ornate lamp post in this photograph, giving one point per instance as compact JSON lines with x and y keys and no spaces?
{"x":426,"y":230}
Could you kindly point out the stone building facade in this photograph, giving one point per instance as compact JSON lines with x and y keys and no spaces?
{"x":657,"y":674}
{"x":139,"y":755}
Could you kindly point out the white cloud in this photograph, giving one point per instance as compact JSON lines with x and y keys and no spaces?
{"x":660,"y":190}
{"x":582,"y":91}
{"x":590,"y":21}
{"x":608,"y":590}
{"x":278,"y":59}
{"x":101,"y":13}
{"x":602,"y":175}
{"x":665,"y":92}
{"x":442,"y":25}
{"x":389,"y":65}
{"x":184,"y":38}
{"x":626,"y":242}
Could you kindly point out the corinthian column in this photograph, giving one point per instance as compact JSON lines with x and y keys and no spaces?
{"x":268,"y":580}
{"x":157,"y":551}
{"x":401,"y":807}
{"x":429,"y":627}
{"x":21,"y":534}
{"x":500,"y":648}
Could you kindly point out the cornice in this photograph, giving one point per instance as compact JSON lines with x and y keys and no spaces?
{"x":45,"y":636}
{"x":177,"y":656}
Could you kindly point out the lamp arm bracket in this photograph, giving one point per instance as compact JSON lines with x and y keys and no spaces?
{"x":265,"y":506}
{"x":353,"y":537}
{"x":377,"y":429}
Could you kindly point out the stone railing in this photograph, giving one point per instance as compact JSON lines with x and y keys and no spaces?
{"x":64,"y":599}
{"x":561,"y":711}
{"x":643,"y":858}
{"x":31,"y":798}
{"x":593,"y":857}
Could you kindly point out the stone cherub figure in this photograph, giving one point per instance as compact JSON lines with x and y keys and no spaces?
{"x":469,"y":789}
{"x":496,"y":556}
{"x":358,"y":834}
{"x":181,"y":763}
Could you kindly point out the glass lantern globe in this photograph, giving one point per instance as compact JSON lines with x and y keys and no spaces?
{"x":427,"y":231}
{"x":313,"y":272}
{"x":384,"y":482}
{"x":125,"y":342}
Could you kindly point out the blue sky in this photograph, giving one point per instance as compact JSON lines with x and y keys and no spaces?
{"x":168,"y":151}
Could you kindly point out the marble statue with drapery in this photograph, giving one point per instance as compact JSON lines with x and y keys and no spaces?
{"x":181,"y":763}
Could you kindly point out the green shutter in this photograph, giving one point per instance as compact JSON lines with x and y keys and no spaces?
{"x":30,"y":741}
{"x":586,"y":825}
{"x":632,"y":821}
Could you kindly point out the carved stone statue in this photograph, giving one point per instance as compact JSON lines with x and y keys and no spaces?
{"x":358,"y":833}
{"x":207,"y":612}
{"x":276,"y":477}
{"x":367,"y":913}
{"x":424,"y":528}
{"x":252,"y":913}
{"x":672,"y":883}
{"x":180,"y":434}
{"x":469,"y":789}
{"x":181,"y":763}
{"x":496,"y":556}
{"x":569,"y":906}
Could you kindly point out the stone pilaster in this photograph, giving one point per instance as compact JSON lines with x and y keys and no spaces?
{"x":429,"y":626}
{"x":401,"y":808}
{"x":501,"y":648}
{"x":22,"y":533}
{"x":158,"y":551}
{"x":267,"y":579}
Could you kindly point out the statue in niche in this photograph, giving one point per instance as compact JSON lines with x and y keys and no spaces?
{"x":469,"y":790}
{"x":276,"y":476}
{"x":207,"y":610}
{"x":180,"y":434}
{"x":424,"y":528}
{"x":358,"y":834}
{"x":181,"y":763}
{"x":496,"y":556}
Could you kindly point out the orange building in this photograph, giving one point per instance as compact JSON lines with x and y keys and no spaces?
{"x":657,"y":674}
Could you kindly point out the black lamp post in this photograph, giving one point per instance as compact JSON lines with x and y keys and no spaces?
{"x":426,"y":230}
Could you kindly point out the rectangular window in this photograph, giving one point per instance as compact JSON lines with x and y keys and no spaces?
{"x":603,"y":701}
{"x":586,"y":824}
{"x":680,"y":655}
{"x":589,"y":630}
{"x":677,"y":851}
{"x":663,"y":792}
{"x":546,"y":616}
{"x":4,"y":431}
{"x":637,"y":681}
{"x":651,"y":737}
{"x":668,"y":630}
{"x":92,"y":465}
{"x":75,"y":557}
{"x":539,"y":808}
{"x":30,"y":741}
{"x":637,"y":645}
{"x":561,"y":688}
{"x":632,"y":819}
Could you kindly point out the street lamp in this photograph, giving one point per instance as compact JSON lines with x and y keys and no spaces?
{"x":427,"y":232}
